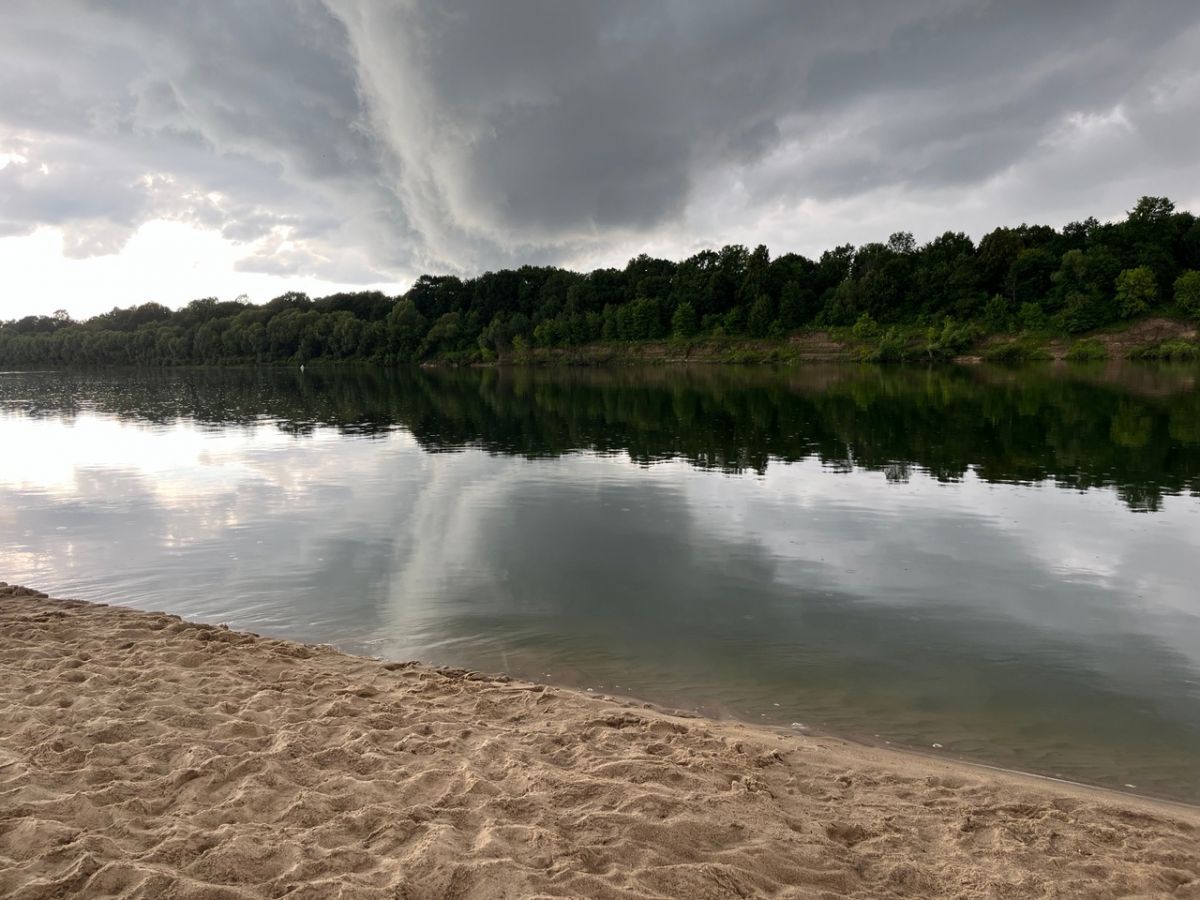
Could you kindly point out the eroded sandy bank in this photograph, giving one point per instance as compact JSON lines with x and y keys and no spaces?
{"x":143,"y":756}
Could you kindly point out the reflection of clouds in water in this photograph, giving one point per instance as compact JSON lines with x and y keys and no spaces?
{"x":181,"y":461}
{"x":225,"y":523}
{"x":352,"y":537}
{"x":438,"y":544}
{"x":1038,"y":555}
{"x":183,"y":487}
{"x":994,"y":552}
{"x":50,"y":454}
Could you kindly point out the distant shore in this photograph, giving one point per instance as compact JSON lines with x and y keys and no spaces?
{"x":141,"y":755}
{"x":1153,"y":338}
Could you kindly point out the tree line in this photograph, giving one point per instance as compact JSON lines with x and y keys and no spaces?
{"x":1031,"y":278}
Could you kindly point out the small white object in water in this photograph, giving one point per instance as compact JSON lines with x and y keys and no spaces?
{"x":1131,"y":785}
{"x":774,"y":704}
{"x":590,"y":691}
{"x":937,"y":746}
{"x":799,"y":725}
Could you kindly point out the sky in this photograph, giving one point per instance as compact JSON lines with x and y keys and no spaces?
{"x":168,"y":150}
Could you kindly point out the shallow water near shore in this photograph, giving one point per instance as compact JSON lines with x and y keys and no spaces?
{"x":1000,"y":562}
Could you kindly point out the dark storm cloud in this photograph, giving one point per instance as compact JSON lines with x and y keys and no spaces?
{"x":955,"y":99}
{"x":237,"y":116}
{"x":370,"y":139}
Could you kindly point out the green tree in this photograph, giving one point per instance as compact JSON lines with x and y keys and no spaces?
{"x":792,"y":312}
{"x":640,"y":320}
{"x":1187,"y":293}
{"x":548,"y":333}
{"x":1136,"y":291}
{"x":997,"y":316}
{"x":1084,"y":288}
{"x":445,"y":335}
{"x":1152,"y":210}
{"x":734,"y":321}
{"x":405,"y":331}
{"x":1030,"y":276}
{"x":684,"y":323}
{"x":1032,"y":317}
{"x":997,"y":252}
{"x":762,"y":314}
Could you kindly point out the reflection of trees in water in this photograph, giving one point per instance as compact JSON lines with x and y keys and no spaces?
{"x":1134,"y":428}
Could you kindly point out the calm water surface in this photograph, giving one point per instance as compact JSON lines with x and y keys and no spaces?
{"x":1006,"y":563}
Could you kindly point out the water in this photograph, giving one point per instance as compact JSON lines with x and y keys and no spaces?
{"x":1003,"y":562}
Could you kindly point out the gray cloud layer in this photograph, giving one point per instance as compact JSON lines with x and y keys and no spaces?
{"x":361,"y":140}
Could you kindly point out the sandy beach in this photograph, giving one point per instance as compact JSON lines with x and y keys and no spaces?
{"x":144,"y":756}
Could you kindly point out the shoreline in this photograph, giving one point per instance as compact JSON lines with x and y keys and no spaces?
{"x":1152,"y":338}
{"x":223,"y":764}
{"x":847,"y":741}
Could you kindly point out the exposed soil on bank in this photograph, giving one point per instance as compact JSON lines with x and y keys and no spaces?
{"x":836,"y":346}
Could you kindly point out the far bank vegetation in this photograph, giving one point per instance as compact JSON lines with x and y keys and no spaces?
{"x":1010,"y":296}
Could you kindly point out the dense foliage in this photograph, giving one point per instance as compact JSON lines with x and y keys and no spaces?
{"x":1029,"y":278}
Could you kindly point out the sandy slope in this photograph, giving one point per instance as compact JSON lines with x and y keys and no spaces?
{"x":141,"y":756}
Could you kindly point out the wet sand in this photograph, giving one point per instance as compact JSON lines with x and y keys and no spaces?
{"x":144,"y":756}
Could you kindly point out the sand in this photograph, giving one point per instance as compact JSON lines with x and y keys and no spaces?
{"x":143,"y":756}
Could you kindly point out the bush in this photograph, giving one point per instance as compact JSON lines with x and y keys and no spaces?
{"x":1087,"y":350}
{"x":866,"y":328}
{"x":891,"y":347}
{"x":1177,"y":350}
{"x":1014,"y":352}
{"x":951,"y":339}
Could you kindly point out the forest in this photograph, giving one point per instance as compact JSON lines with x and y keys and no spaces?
{"x":1026,"y":280}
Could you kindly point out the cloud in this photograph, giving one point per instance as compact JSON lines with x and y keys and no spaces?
{"x":231,"y":116}
{"x":378,"y":140}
